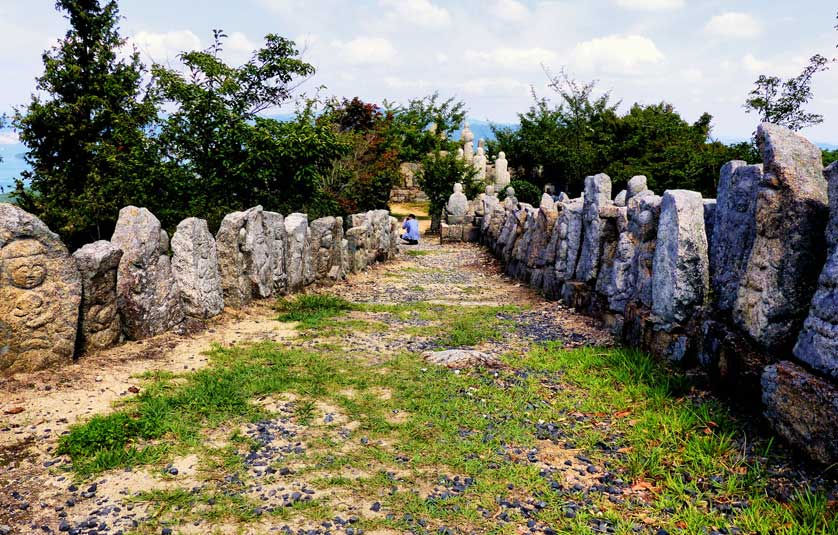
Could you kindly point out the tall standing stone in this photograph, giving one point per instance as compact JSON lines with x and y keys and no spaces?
{"x":296,"y":228}
{"x":195,"y":269}
{"x":146,"y":293}
{"x":570,"y":239}
{"x":788,"y":252}
{"x":734,"y":230}
{"x":644,"y":216}
{"x":831,"y":175}
{"x":277,"y":239}
{"x":680,"y":276}
{"x":40,"y":293}
{"x":597,"y":196}
{"x":100,"y":325}
{"x":326,"y":235}
{"x":243,"y":257}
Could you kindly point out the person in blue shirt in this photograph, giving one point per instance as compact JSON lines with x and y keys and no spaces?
{"x":411,"y":237}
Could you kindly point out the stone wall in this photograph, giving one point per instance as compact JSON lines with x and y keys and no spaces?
{"x":55,"y":307}
{"x":740,"y":285}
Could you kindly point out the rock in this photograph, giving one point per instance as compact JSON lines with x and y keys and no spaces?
{"x":788,"y":252}
{"x":296,"y":228}
{"x":195,"y":269}
{"x":462,"y":358}
{"x":146,"y":293}
{"x":355,"y":248}
{"x":456,"y":207}
{"x":243,"y":257}
{"x":803,"y":409}
{"x":636,"y":186}
{"x":644,"y":216}
{"x":709,"y":223}
{"x":734,"y":230}
{"x":100,"y":324}
{"x":620,"y":199}
{"x":831,"y":175}
{"x":40,"y":294}
{"x":326,"y":235}
{"x":276,"y":238}
{"x":817,"y":345}
{"x":510,"y":202}
{"x":597,"y":195}
{"x":680,"y":273}
{"x":613,"y":282}
{"x":570,"y":239}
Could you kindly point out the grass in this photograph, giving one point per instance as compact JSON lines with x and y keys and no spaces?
{"x":679,"y":451}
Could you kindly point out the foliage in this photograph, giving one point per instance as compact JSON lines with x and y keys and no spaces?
{"x":437,"y":176}
{"x":580,"y":136}
{"x":362,"y":178}
{"x":423,"y":125}
{"x":829,"y":156}
{"x":781,"y":101}
{"x":525,"y":191}
{"x":219,"y":153}
{"x":87,"y":129}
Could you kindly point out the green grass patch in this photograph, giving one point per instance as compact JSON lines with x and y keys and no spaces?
{"x":311,"y":310}
{"x":418,"y":252}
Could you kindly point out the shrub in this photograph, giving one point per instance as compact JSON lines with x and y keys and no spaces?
{"x":524,"y":191}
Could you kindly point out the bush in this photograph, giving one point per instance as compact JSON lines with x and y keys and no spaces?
{"x":524,"y":191}
{"x":437,"y":176}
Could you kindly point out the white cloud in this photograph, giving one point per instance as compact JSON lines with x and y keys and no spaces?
{"x":160,"y":47}
{"x":494,"y":87}
{"x":733,"y":24}
{"x":753,"y":64}
{"x":510,"y":58}
{"x":404,"y":83}
{"x":510,"y":10}
{"x":651,"y":5}
{"x":367,"y":50}
{"x":623,"y":54}
{"x":418,"y":12}
{"x":692,"y":74}
{"x":9,"y":138}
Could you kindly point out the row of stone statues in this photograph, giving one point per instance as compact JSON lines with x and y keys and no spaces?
{"x":741,"y":284}
{"x":497,"y":174}
{"x":140,"y":284}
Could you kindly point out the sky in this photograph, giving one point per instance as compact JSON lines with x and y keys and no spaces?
{"x":699,"y":55}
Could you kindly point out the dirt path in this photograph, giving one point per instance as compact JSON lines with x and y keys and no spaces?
{"x":349,"y":431}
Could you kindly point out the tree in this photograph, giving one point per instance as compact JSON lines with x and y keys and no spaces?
{"x":438,"y":174}
{"x":220,"y":155}
{"x":422,"y":127}
{"x":87,"y":137}
{"x":782,"y":102}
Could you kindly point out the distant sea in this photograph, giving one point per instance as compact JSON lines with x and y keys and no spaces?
{"x":12,"y":165}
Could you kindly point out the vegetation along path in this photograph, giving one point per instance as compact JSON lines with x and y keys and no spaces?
{"x":322,"y":414}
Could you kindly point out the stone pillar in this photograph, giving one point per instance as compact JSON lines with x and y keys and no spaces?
{"x":296,"y":228}
{"x":570,"y":239}
{"x":788,"y":252}
{"x":40,"y":293}
{"x":195,"y":269}
{"x":243,"y":257}
{"x":680,"y":276}
{"x":597,"y":196}
{"x":147,"y":296}
{"x":100,"y":325}
{"x":277,"y":239}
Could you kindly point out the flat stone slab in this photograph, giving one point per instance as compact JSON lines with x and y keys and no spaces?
{"x":458,"y":359}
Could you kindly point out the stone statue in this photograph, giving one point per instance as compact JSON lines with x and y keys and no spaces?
{"x":468,"y":151}
{"x":467,"y":136}
{"x":511,"y":201}
{"x":460,"y":154}
{"x":457,"y":206}
{"x":480,"y":165}
{"x":502,"y":177}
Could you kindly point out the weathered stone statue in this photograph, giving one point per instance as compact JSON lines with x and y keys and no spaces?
{"x":277,"y":239}
{"x":502,"y":177}
{"x":480,"y":165}
{"x":788,"y":252}
{"x":296,"y":228}
{"x":243,"y":257}
{"x":147,"y":296}
{"x":511,"y":201}
{"x":569,"y":239}
{"x":100,"y":325}
{"x":597,"y":196}
{"x":195,"y":269}
{"x":456,"y":207}
{"x":40,"y":292}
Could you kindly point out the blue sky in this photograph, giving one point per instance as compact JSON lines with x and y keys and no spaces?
{"x":700,"y":55}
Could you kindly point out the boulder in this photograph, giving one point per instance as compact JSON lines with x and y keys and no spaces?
{"x":617,"y":252}
{"x":40,"y":294}
{"x":195,"y":269}
{"x":644,"y":216}
{"x":680,"y":273}
{"x":620,"y":199}
{"x":326,"y":235}
{"x":570,"y":227}
{"x":817,"y":344}
{"x":709,"y":223}
{"x":803,"y":409}
{"x":355,"y":248}
{"x":147,"y":296}
{"x":636,"y":186}
{"x":734,"y":230}
{"x":831,"y":175}
{"x":100,"y":325}
{"x":296,"y":228}
{"x":789,"y":249}
{"x":597,"y":196}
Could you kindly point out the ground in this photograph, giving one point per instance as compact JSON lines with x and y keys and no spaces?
{"x":321,"y":414}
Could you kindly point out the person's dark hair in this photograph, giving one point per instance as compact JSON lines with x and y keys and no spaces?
{"x":411,"y":216}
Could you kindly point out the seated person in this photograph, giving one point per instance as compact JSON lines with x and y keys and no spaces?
{"x":411,"y":225}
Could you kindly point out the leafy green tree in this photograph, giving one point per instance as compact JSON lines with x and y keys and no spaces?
{"x":423,"y":125}
{"x":782,"y":102}
{"x":524,"y":191}
{"x":87,"y":129}
{"x":438,"y":174}
{"x":220,"y":155}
